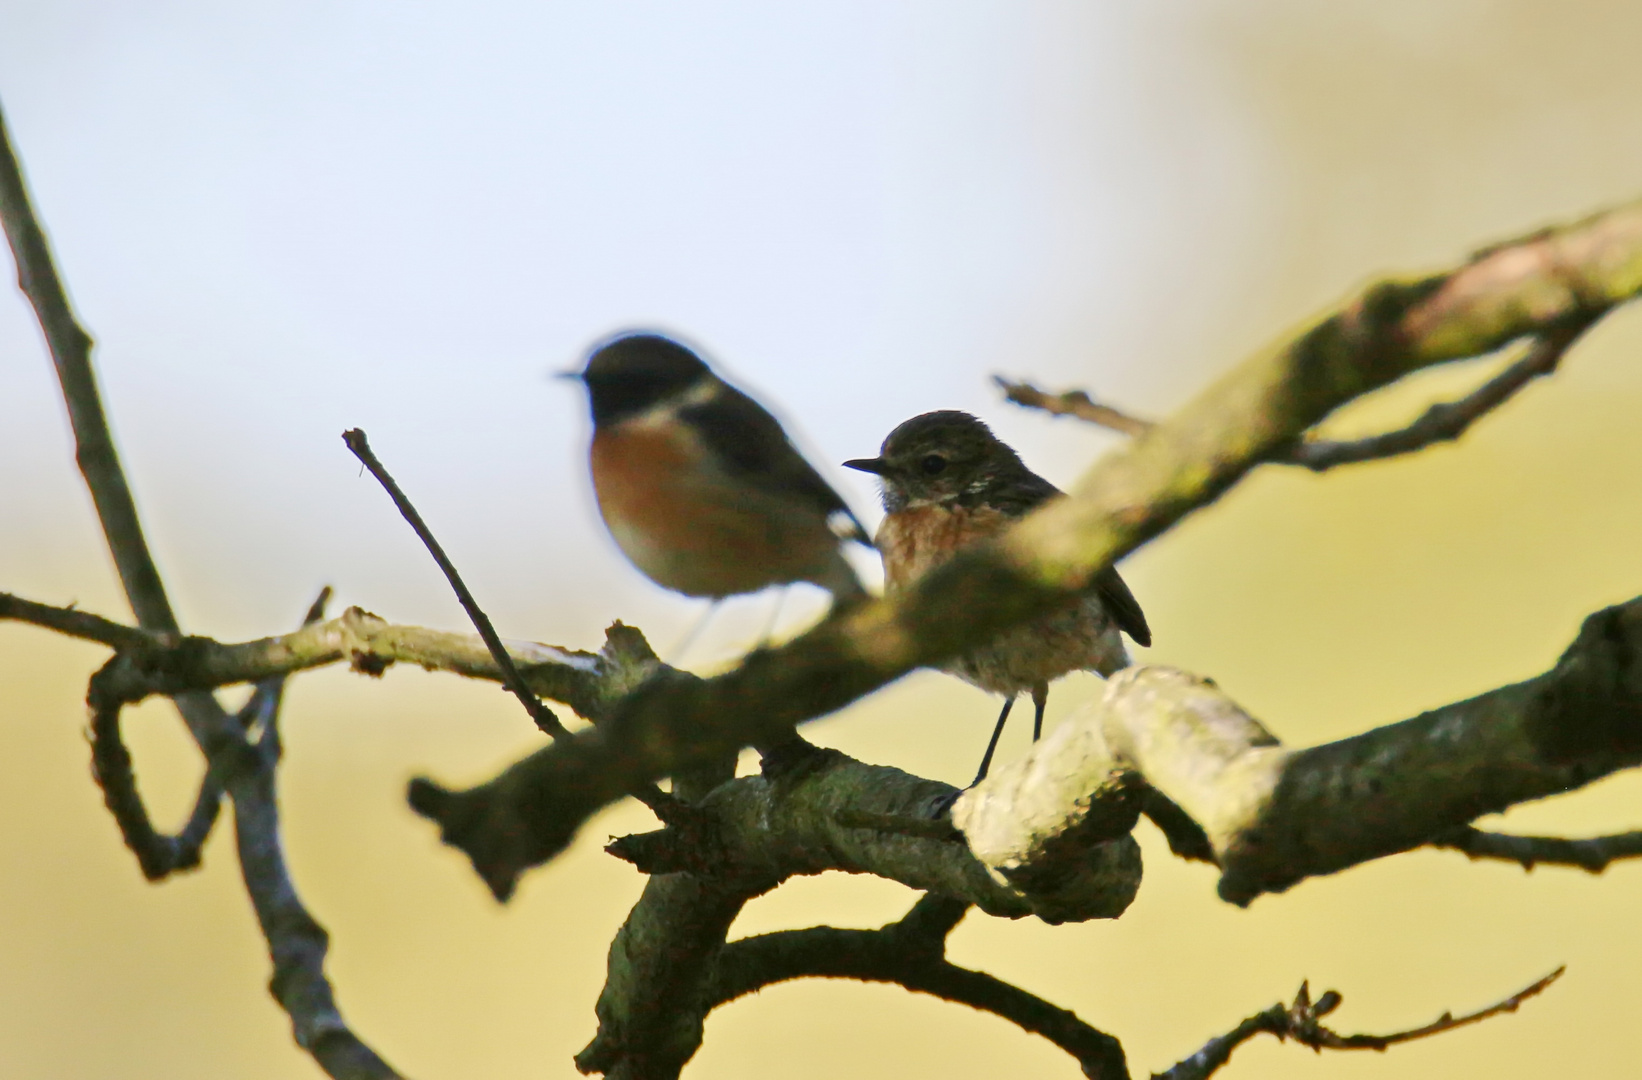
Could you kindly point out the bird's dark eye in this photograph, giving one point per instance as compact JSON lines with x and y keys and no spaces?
{"x":932,"y":464}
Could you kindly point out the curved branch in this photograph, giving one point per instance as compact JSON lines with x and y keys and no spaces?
{"x":1446,"y":420}
{"x":158,"y":855}
{"x":296,"y":942}
{"x":911,"y":956}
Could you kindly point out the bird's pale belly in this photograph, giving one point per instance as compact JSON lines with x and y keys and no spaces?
{"x":693,"y":531}
{"x":1081,"y":637}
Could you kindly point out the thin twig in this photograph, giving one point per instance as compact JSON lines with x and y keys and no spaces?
{"x":1072,"y":403}
{"x":663,"y":805}
{"x":1593,"y":854}
{"x":1446,"y":420}
{"x":540,"y":713}
{"x":1301,"y":1022}
{"x":79,"y":624}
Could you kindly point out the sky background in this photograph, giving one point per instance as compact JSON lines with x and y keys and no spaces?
{"x":282,"y":220}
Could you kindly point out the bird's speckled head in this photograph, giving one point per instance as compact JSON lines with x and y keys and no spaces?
{"x":940,"y":457}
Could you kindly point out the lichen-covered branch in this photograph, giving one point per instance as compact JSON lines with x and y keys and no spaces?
{"x":1275,"y":816}
{"x":773,"y":829}
{"x":1302,"y":1022}
{"x":1446,"y":420}
{"x":150,"y":664}
{"x":1546,"y":282}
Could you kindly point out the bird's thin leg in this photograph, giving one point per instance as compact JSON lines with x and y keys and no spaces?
{"x":986,"y":762}
{"x":1040,"y":698}
{"x":695,"y":631}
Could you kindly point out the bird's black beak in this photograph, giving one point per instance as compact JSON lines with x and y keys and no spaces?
{"x":875,"y":465}
{"x":569,"y":376}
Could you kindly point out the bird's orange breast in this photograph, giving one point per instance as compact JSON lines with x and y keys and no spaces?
{"x":914,"y":540}
{"x":642,"y":474}
{"x":691,"y":526}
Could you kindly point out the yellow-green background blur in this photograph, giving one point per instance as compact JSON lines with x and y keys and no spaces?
{"x":285,"y":219}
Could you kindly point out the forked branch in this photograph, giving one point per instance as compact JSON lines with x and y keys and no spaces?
{"x":1442,"y":422}
{"x":1301,"y":1022}
{"x":296,"y":943}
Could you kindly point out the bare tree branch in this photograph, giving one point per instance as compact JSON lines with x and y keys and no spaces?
{"x":1301,"y":1022}
{"x":150,"y":664}
{"x":295,"y":940}
{"x":78,"y":624}
{"x":1593,"y":854}
{"x":1276,"y":816}
{"x":663,"y":805}
{"x":772,"y":829}
{"x":911,"y":953}
{"x":1442,"y":422}
{"x":1072,"y":403}
{"x":541,"y":714}
{"x":246,"y":769}
{"x":1447,"y":420}
{"x":1549,"y":280}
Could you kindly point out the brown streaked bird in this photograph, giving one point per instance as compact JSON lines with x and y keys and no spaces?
{"x":700,"y":486}
{"x":949,"y":482}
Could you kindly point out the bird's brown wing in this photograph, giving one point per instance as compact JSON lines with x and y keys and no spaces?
{"x":752,"y":444}
{"x":1020,"y":492}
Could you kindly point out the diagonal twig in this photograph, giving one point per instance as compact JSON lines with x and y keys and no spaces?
{"x":664,"y":806}
{"x":540,"y":713}
{"x":1592,"y":854}
{"x":1301,"y":1022}
{"x":70,"y":349}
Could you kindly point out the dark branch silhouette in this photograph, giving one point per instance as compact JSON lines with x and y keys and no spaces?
{"x":1301,"y":1022}
{"x":1593,"y":854}
{"x":296,"y":943}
